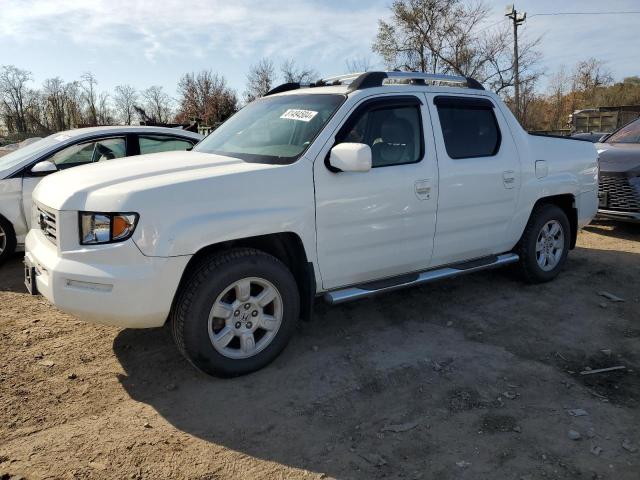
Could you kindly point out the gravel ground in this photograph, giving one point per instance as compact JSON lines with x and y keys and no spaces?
{"x":470,"y":378}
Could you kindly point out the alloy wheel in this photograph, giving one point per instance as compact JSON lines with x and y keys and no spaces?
{"x":245,"y":318}
{"x":550,"y":245}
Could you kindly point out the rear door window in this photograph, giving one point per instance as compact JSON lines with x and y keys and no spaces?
{"x":469,"y":126}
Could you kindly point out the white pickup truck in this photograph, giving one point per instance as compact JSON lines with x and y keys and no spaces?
{"x":345,"y":188}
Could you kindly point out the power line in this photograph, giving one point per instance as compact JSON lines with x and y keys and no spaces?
{"x":631,"y":12}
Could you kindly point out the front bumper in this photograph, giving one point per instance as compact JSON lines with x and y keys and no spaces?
{"x":113,"y":284}
{"x":618,"y":215}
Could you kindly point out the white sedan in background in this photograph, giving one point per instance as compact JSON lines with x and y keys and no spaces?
{"x":22,"y":169}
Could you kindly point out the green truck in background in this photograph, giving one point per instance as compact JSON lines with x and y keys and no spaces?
{"x":602,"y":119}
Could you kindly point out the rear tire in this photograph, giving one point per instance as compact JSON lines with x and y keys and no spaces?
{"x":7,"y":240}
{"x":236,"y":312}
{"x":544,"y":245}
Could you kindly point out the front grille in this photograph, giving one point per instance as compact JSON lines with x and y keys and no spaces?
{"x":48,"y":223}
{"x":620,"y":193}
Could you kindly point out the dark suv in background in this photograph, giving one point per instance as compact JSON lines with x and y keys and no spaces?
{"x":619,"y":191}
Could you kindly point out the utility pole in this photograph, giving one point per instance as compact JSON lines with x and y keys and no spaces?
{"x":518,"y":19}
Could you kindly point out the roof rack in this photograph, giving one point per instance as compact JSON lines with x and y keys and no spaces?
{"x":360,"y":81}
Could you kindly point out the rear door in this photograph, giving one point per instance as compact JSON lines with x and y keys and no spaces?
{"x":380,"y":223}
{"x":479,"y":171}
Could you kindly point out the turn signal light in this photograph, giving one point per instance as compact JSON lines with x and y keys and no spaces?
{"x":98,"y":228}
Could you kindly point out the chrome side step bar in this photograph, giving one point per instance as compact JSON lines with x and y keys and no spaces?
{"x":370,"y":289}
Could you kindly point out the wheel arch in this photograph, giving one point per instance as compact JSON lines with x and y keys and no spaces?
{"x":566,"y":202}
{"x":285,"y":246}
{"x":7,"y":221}
{"x":11,"y":211}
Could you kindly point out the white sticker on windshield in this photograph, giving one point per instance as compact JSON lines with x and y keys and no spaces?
{"x":62,"y":138}
{"x":302,"y":115}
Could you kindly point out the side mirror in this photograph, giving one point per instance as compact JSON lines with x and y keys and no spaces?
{"x":351,"y":157}
{"x":43,"y":168}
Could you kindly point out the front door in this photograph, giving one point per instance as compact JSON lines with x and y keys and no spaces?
{"x":379,"y":223}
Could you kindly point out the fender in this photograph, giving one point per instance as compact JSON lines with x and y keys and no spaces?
{"x":188,"y":235}
{"x":251,"y":204}
{"x":570,"y":169}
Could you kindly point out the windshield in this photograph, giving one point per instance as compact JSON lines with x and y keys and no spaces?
{"x":628,"y":134}
{"x":273,"y":129}
{"x":14,"y":158}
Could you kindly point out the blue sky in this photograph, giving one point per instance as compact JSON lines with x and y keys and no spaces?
{"x":145,"y":43}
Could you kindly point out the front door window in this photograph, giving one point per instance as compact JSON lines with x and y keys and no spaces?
{"x":89,"y":152}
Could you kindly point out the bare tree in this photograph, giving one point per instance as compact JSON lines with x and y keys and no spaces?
{"x":35,"y":112}
{"x":414,"y":38}
{"x":291,"y":73}
{"x":444,"y":36}
{"x":559,"y":88}
{"x":105,"y":115}
{"x":63,"y":105}
{"x":54,"y":95}
{"x":626,"y":92}
{"x":588,"y":76}
{"x":88,"y":85}
{"x":499,"y":73}
{"x":361,"y":63}
{"x":205,"y":95}
{"x":74,"y":104}
{"x":157,"y":104}
{"x":13,"y":97}
{"x":588,"y":84}
{"x":125,"y":98}
{"x":260,"y":80}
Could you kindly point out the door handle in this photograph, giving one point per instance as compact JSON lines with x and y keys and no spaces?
{"x":509,"y":179}
{"x":423,"y":189}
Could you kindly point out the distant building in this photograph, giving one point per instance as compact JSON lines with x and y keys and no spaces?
{"x":602,"y":119}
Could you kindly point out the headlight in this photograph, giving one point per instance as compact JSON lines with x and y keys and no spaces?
{"x":97,"y":228}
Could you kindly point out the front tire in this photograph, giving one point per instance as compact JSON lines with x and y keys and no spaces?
{"x":544,"y":245}
{"x":7,"y":240}
{"x":236,"y":312}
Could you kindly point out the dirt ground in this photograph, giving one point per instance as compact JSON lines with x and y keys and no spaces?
{"x":470,"y":378}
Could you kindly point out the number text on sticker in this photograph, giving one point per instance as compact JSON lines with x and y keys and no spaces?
{"x":296,"y":114}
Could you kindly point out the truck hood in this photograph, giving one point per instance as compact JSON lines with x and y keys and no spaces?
{"x":108,"y":185}
{"x":619,"y":157}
